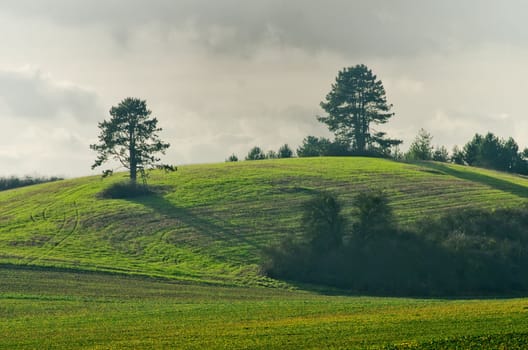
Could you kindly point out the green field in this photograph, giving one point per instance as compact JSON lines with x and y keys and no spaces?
{"x":180,"y":269}
{"x":67,"y":310}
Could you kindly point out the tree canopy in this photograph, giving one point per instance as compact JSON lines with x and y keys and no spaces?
{"x":130,"y":137}
{"x":256,"y":153}
{"x":285,"y":151}
{"x":357,"y":99}
{"x":421,"y":148}
{"x":490,"y":151}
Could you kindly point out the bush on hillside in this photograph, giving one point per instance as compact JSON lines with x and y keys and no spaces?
{"x":285,"y":151}
{"x":464,"y":252}
{"x":232,"y":158}
{"x":124,"y":190}
{"x":256,"y":153}
{"x":320,"y":146}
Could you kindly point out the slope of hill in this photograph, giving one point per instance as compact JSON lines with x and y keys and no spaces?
{"x":211,"y":222}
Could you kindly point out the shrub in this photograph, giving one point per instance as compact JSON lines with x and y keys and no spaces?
{"x":322,"y":223}
{"x":125,"y":189}
{"x":313,"y":147}
{"x":255,"y":153}
{"x":272,"y":155}
{"x":232,"y":158}
{"x":285,"y":151}
{"x":464,"y":252}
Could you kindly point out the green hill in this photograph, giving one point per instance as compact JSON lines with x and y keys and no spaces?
{"x":209,"y":223}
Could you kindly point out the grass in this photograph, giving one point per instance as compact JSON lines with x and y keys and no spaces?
{"x":179,"y":268}
{"x":212,"y":221}
{"x":46,"y":309}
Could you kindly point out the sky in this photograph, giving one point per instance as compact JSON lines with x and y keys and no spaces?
{"x":223,"y":76}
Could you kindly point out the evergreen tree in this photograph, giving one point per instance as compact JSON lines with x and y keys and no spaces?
{"x":285,"y":151}
{"x":421,"y":148}
{"x":357,"y":99}
{"x":458,"y":156}
{"x":256,"y":153}
{"x":313,"y":146}
{"x":440,"y":154}
{"x":131,"y":138}
{"x":232,"y":158}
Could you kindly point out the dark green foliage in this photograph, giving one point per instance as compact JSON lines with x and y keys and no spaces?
{"x":166,"y":168}
{"x":232,"y":158}
{"x":464,"y":252}
{"x":338,"y":148}
{"x":421,"y":148}
{"x":130,"y":137}
{"x":458,"y":156}
{"x":374,"y":215}
{"x":323,"y":229}
{"x":441,"y":154}
{"x":123,"y":190}
{"x":256,"y":153}
{"x":322,"y":223}
{"x":313,"y":147}
{"x":320,"y":146}
{"x":492,"y":152}
{"x":285,"y":151}
{"x":356,"y":100}
{"x":7,"y":183}
{"x":272,"y":154}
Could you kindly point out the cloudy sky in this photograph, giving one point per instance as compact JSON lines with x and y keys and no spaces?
{"x":222,"y":76}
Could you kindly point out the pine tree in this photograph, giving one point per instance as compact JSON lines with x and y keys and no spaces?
{"x":357,"y":99}
{"x":131,"y":138}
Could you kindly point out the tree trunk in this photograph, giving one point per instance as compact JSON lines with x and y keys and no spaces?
{"x":133,"y":171}
{"x":133,"y":158}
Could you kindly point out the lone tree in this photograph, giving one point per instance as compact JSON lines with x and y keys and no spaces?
{"x":356,"y":100}
{"x":131,"y":138}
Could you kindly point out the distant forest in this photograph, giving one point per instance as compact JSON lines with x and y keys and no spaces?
{"x":7,"y":183}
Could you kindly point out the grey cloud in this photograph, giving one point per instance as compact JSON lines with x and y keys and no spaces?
{"x":358,"y":28}
{"x":29,"y":94}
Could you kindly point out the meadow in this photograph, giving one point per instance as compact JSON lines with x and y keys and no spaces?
{"x":209,"y":223}
{"x":65,"y":310}
{"x":180,"y":268}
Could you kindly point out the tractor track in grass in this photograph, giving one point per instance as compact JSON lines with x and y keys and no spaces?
{"x":61,"y":228}
{"x":223,"y":214}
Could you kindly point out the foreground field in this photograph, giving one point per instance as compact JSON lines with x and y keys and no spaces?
{"x":211,"y":222}
{"x":64,"y":310}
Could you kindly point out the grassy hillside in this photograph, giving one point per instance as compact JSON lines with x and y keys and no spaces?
{"x":211,"y":222}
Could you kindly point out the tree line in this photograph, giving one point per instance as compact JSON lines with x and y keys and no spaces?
{"x":357,"y":103}
{"x":7,"y":183}
{"x":485,"y":151}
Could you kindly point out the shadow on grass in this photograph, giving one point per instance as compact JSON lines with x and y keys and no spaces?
{"x":487,"y":180}
{"x":219,"y":231}
{"x":322,"y":289}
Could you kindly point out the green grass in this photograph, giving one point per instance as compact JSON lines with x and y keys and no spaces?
{"x":45,"y":309}
{"x":180,"y":269}
{"x":211,"y":223}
